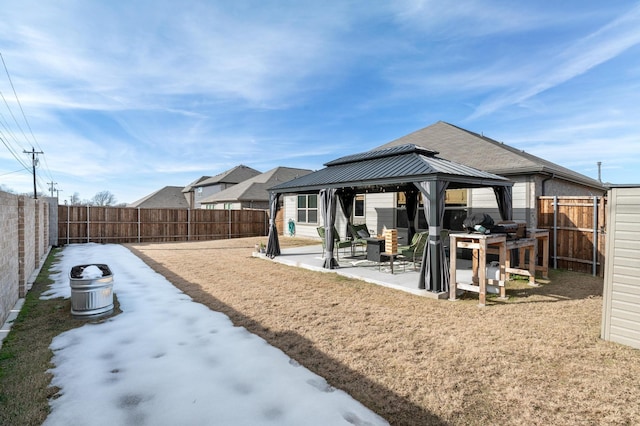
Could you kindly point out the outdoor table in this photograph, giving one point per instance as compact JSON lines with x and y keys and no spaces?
{"x":479,"y":243}
{"x":483,"y":244}
{"x":391,"y":257}
{"x":542,"y":239}
{"x":526,"y":268}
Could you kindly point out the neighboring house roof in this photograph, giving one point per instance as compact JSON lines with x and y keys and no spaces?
{"x":167,"y":197}
{"x":235,"y":175}
{"x":256,"y":188}
{"x":391,"y":169}
{"x":189,"y":187}
{"x":475,"y":150}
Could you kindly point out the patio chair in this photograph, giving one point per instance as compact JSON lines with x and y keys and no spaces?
{"x":413,"y":252}
{"x":359,"y":233}
{"x":338,"y":243}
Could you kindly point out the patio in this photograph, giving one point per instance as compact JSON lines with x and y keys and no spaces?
{"x":404,"y":277}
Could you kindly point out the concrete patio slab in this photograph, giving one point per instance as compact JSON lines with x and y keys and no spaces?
{"x":404,"y":277}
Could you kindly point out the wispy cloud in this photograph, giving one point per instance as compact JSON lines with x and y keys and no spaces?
{"x":132,"y":96}
{"x":587,"y":53}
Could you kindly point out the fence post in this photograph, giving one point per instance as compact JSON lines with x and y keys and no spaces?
{"x":229,"y":210}
{"x":138,"y":224}
{"x":555,"y":232}
{"x":88,"y":240}
{"x":595,"y":235}
{"x":68,"y":225}
{"x":188,"y":224}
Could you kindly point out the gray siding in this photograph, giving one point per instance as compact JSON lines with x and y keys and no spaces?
{"x":380,"y":211}
{"x":621,"y":297}
{"x":483,"y":200}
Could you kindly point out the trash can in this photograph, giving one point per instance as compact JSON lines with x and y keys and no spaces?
{"x":91,"y":290}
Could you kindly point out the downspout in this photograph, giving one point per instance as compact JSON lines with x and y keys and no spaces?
{"x":553,"y":176}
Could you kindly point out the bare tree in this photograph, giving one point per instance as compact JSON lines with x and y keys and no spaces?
{"x":74,"y":200}
{"x":103,"y":198}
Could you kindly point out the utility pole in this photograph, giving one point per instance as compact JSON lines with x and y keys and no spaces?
{"x":34,"y":163}
{"x":58,"y":193}
{"x":51,"y":185}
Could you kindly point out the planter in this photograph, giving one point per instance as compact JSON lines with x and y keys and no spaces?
{"x":91,"y":290}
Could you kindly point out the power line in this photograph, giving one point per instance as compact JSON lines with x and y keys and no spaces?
{"x":18,"y":101}
{"x":7,"y":142}
{"x":34,"y":161}
{"x":12,"y":151}
{"x":51,"y":187}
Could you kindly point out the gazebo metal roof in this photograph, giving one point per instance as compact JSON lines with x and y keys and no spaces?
{"x":391,"y":168}
{"x":408,"y":168}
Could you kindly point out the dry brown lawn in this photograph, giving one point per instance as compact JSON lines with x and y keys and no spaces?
{"x":536,"y":359}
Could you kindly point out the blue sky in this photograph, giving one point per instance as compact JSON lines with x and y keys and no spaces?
{"x":132,"y":96}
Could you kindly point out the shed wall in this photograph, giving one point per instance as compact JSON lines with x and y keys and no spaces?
{"x":621,"y":296}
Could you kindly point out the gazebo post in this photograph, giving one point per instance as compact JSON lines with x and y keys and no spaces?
{"x":434,"y":238}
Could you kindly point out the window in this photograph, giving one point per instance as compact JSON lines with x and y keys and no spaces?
{"x":358,"y":206}
{"x":455,"y":209}
{"x":308,"y":208}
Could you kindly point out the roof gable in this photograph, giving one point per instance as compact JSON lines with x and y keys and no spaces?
{"x":256,"y":188}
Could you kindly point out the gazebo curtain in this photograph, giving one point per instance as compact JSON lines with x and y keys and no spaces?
{"x":346,"y":197}
{"x":434,"y":271}
{"x":412,"y":209}
{"x":273,"y":244}
{"x":504,"y":195}
{"x":328,"y":204}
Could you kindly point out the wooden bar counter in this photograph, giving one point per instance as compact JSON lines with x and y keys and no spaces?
{"x":483,"y":244}
{"x":480,"y":244}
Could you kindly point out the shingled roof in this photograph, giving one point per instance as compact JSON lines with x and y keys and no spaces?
{"x":478,"y":151}
{"x":167,"y":197}
{"x":391,"y":168}
{"x":235,"y":175}
{"x":255,"y":189}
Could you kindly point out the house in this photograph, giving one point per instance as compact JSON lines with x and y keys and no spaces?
{"x":251,"y":193}
{"x":189,"y":191}
{"x":167,"y":197}
{"x":208,"y":186}
{"x":532,"y":177}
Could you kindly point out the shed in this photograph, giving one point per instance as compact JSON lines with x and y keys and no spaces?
{"x":621,"y":295}
{"x":406,"y":168}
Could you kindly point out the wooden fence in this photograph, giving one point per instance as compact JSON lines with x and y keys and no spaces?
{"x":83,"y":224}
{"x":576,"y":232}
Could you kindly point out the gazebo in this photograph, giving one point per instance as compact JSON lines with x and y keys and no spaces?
{"x":406,"y":168}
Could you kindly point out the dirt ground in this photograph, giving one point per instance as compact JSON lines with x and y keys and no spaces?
{"x":535,"y":359}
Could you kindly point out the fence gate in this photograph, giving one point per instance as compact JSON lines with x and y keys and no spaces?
{"x":576,"y":231}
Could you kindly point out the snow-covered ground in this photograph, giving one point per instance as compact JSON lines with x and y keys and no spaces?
{"x":166,"y":360}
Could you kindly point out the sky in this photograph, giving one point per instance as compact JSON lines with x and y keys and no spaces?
{"x":129,"y":97}
{"x":167,"y":360}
